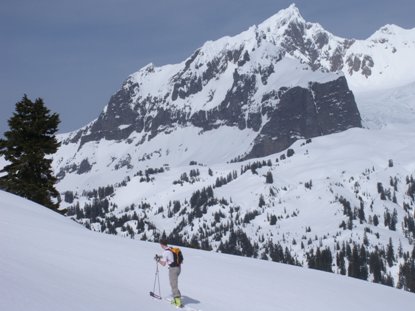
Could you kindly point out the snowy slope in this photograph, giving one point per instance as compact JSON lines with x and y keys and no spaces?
{"x":114,"y":160}
{"x":382,"y":61}
{"x":47,"y":262}
{"x":347,"y":165}
{"x":387,"y":107}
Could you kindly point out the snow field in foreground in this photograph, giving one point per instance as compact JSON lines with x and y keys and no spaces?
{"x":48,"y":262}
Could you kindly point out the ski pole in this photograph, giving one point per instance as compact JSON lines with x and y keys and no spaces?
{"x":157,"y":280}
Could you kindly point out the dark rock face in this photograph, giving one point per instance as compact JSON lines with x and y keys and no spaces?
{"x":362,"y":63}
{"x":84,"y":167}
{"x":292,"y":114}
{"x":305,"y":113}
{"x":336,"y":107}
{"x":295,"y":40}
{"x":118,"y":113}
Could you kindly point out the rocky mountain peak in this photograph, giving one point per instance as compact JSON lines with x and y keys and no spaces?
{"x":285,"y":17}
{"x":389,"y":30}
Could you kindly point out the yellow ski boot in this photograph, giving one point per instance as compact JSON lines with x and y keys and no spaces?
{"x":178,"y":302}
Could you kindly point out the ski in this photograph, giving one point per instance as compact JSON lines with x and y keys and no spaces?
{"x":152,"y":294}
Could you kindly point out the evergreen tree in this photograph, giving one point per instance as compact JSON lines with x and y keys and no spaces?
{"x":394,"y":220}
{"x":27,"y":144}
{"x":376,"y":266}
{"x":361,"y":212}
{"x":322,"y":260}
{"x":273,"y":220}
{"x":364,"y":271}
{"x":375,"y":220}
{"x":381,"y":191}
{"x":269,"y":178}
{"x":341,"y":264}
{"x":354,"y":263}
{"x":390,"y":254}
{"x":261,"y":201}
{"x":407,"y":274}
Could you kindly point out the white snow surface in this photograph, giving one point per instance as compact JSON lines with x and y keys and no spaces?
{"x":387,"y":107}
{"x":392,"y":49}
{"x":48,"y":262}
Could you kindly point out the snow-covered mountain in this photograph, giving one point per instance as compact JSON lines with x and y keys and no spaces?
{"x":272,"y":84}
{"x":48,"y":262}
{"x":254,"y":145}
{"x":267,"y":80}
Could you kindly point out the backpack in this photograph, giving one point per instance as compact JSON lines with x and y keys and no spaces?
{"x":177,"y":255}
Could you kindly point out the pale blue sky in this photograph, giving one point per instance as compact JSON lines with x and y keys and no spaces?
{"x":76,"y":53}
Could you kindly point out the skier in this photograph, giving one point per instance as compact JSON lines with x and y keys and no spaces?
{"x":168,"y":258}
